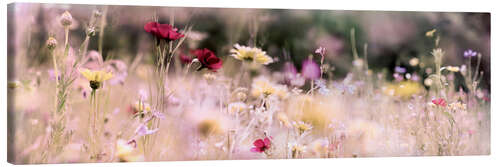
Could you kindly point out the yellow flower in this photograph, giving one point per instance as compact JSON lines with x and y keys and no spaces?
{"x":302,"y":126}
{"x":452,"y":68}
{"x":96,"y":77}
{"x":262,"y":87}
{"x":124,"y":152}
{"x":245,"y":53}
{"x":458,"y":106}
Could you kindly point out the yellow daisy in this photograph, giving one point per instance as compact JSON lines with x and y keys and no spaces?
{"x":302,"y":126}
{"x":96,"y":77}
{"x":262,"y":87}
{"x":125,"y":152}
{"x":245,"y":53}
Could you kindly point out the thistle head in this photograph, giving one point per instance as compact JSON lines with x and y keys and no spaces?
{"x":51,"y":43}
{"x":66,"y":19}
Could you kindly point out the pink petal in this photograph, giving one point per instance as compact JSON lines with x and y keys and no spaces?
{"x":258,"y":143}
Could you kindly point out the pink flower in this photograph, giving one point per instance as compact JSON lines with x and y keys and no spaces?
{"x":321,"y":51}
{"x":310,"y":70}
{"x":261,"y":145}
{"x":207,"y":59}
{"x":439,"y":102}
{"x":162,"y":31}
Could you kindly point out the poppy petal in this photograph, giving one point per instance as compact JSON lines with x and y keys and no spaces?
{"x":258,"y":143}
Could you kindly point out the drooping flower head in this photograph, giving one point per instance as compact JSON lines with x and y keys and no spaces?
{"x":207,"y":59}
{"x":310,"y":70}
{"x":470,"y":53}
{"x":163,"y":31}
{"x":250,"y":54}
{"x":261,"y":145}
{"x":96,"y":77}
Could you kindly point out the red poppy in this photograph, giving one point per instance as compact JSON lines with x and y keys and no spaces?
{"x":163,"y":31}
{"x":439,"y":102}
{"x":207,"y":59}
{"x":261,"y":145}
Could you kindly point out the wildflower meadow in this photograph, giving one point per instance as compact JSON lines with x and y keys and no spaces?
{"x":91,"y":83}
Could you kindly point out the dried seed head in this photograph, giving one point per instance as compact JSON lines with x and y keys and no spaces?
{"x":95,"y":85}
{"x":51,"y":43}
{"x":66,"y":19}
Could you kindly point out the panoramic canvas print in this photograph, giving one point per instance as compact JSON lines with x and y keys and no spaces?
{"x":104,"y":83}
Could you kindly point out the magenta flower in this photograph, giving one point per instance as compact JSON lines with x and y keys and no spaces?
{"x":207,"y":59}
{"x":310,"y":70}
{"x":261,"y":145}
{"x":439,"y":102}
{"x":162,"y":31}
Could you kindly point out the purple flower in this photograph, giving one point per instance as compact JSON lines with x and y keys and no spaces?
{"x":158,"y":115}
{"x":52,"y":75}
{"x":143,"y":130}
{"x":310,"y":70}
{"x":415,"y":77}
{"x":400,"y":69}
{"x":470,"y":53}
{"x":398,"y":77}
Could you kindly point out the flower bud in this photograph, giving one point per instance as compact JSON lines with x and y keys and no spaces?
{"x":51,"y":43}
{"x":66,"y":19}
